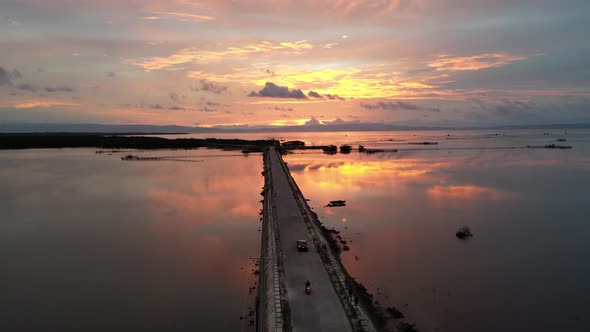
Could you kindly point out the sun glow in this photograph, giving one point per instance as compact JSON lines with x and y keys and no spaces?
{"x":282,"y":123}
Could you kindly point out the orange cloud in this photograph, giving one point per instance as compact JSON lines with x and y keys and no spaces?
{"x":43,"y":103}
{"x":282,"y":123}
{"x":347,"y":7}
{"x":197,"y":55}
{"x":334,"y":8}
{"x":183,"y":16}
{"x":345,"y":82}
{"x":446,"y":62}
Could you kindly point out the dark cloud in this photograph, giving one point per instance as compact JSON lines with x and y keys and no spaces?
{"x":49,"y":89}
{"x":398,"y":106}
{"x":284,"y":109}
{"x":211,"y":103}
{"x":173,"y":96}
{"x":270,"y":72}
{"x":177,"y":108}
{"x":314,"y":94}
{"x":111,"y":74}
{"x":207,"y":109}
{"x":275,"y":91}
{"x":6,"y":77}
{"x":333,"y":97}
{"x":505,"y":107}
{"x":27,"y":87}
{"x":212,"y":87}
{"x":337,"y":121}
{"x":538,"y":110}
{"x":157,"y":107}
{"x":312,"y":122}
{"x":59,"y":89}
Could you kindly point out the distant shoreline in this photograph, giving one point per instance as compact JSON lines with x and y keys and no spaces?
{"x":118,"y":141}
{"x":101,"y":129}
{"x":68,"y":133}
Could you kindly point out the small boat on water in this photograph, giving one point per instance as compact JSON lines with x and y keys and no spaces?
{"x":337,"y":203}
{"x":129,"y":157}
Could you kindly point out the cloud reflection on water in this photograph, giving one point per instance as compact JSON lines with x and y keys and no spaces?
{"x":404,"y":208}
{"x":466,"y":192}
{"x":90,"y":242}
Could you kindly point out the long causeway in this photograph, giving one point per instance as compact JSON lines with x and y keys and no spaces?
{"x":284,"y":305}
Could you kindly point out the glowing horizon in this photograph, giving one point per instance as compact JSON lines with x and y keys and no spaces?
{"x":211,"y":63}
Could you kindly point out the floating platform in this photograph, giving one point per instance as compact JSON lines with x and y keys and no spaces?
{"x":370,"y":151}
{"x":549,"y":146}
{"x":131,"y":157}
{"x":423,"y":143}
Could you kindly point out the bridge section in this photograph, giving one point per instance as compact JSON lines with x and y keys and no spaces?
{"x":285,"y":305}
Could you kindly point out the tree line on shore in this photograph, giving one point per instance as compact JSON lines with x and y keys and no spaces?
{"x":102,"y":141}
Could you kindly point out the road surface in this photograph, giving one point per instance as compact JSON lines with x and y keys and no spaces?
{"x":322,"y":310}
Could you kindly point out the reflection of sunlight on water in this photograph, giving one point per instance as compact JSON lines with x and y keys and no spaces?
{"x":205,"y":206}
{"x":403,"y":211}
{"x":356,"y":169}
{"x":466,"y":192}
{"x":329,"y":211}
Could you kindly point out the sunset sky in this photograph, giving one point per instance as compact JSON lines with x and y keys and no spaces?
{"x":246,"y":62}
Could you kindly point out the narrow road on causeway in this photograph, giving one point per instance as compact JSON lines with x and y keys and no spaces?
{"x":322,"y":310}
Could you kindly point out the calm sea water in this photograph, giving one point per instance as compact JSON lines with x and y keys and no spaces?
{"x":92,"y":243}
{"x":525,"y":269}
{"x":89,"y":242}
